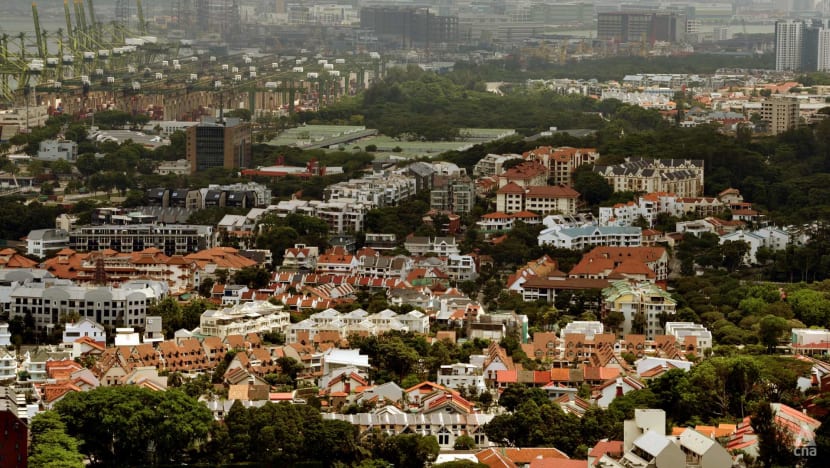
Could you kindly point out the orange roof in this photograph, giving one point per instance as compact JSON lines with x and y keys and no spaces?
{"x":511,"y":188}
{"x":552,"y":191}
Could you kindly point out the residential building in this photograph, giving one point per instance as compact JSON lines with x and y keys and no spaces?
{"x":781,"y":113}
{"x":692,"y":336}
{"x":462,"y":376}
{"x":178,"y":167}
{"x":112,"y":267}
{"x":249,"y":317}
{"x":380,"y":241}
{"x":8,"y":364}
{"x":300,"y":257}
{"x":642,"y":263}
{"x":377,"y":190}
{"x":224,"y":143}
{"x":84,"y":328}
{"x":454,"y":195}
{"x":788,"y":44}
{"x":46,"y":242}
{"x":53,"y":150}
{"x":461,"y":268}
{"x":526,"y":174}
{"x":642,"y":302}
{"x":14,"y":439}
{"x":5,"y":335}
{"x":47,"y":302}
{"x":683,"y":177}
{"x":492,"y":165}
{"x":583,"y":237}
{"x":771,"y":238}
{"x":172,"y":239}
{"x":512,"y":198}
{"x":561,"y":162}
{"x":440,"y":246}
{"x":342,"y":216}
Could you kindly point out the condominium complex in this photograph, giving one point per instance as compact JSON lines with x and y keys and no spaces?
{"x":581,"y":237}
{"x":376,"y":190}
{"x":172,"y":239}
{"x":683,"y":177}
{"x":642,"y":305}
{"x":249,"y":317}
{"x":641,"y":26}
{"x":537,"y":199}
{"x":50,"y":299}
{"x":802,"y":45}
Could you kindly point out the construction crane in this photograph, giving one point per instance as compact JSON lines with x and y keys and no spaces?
{"x":41,"y":47}
{"x":69,"y":28}
{"x":139,"y":11}
{"x":94,"y":26}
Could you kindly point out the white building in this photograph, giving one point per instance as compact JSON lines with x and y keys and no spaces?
{"x":685,"y":332}
{"x":493,"y":164}
{"x":177,"y":167}
{"x":46,"y":242}
{"x":8,"y":364}
{"x":460,"y":375}
{"x":769,"y":237}
{"x":113,"y":306}
{"x":5,"y":335}
{"x":377,"y":190}
{"x":53,"y":150}
{"x":248,"y":317}
{"x":440,"y":246}
{"x":461,"y":268}
{"x":788,"y":44}
{"x":84,"y":328}
{"x":591,"y":236}
{"x":587,"y":328}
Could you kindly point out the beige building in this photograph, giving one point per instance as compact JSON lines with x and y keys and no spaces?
{"x":780,"y":113}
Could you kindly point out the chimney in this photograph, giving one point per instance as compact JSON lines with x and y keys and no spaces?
{"x":619,"y":387}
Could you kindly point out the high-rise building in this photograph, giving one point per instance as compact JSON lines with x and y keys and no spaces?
{"x":802,"y":45}
{"x":225,"y":143}
{"x":780,"y":113}
{"x":637,"y":26}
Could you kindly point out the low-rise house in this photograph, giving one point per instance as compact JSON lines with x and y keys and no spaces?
{"x":84,"y":328}
{"x":300,"y":257}
{"x":769,"y":237}
{"x":462,"y":376}
{"x":582,"y":237}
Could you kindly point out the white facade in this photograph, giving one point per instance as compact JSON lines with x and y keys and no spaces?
{"x":8,"y":364}
{"x":681,"y":330}
{"x":24,"y":118}
{"x":461,"y":268}
{"x":591,"y":236}
{"x":45,"y":242}
{"x":178,"y":167}
{"x":53,"y":150}
{"x":493,"y":164}
{"x":788,"y":43}
{"x":84,"y":328}
{"x":376,"y":190}
{"x":771,"y":238}
{"x":460,"y":375}
{"x":5,"y":335}
{"x":249,"y":317}
{"x":587,"y":328}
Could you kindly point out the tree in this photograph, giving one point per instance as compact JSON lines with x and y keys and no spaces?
{"x":770,"y":330}
{"x":774,"y":444}
{"x":593,"y":188}
{"x":255,"y":277}
{"x":87,"y":164}
{"x":464,"y":442}
{"x":118,"y":424}
{"x":50,"y":445}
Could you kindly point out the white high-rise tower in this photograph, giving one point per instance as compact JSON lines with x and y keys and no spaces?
{"x":788,"y":42}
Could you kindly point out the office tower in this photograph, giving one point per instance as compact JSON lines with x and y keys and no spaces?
{"x":225,"y":143}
